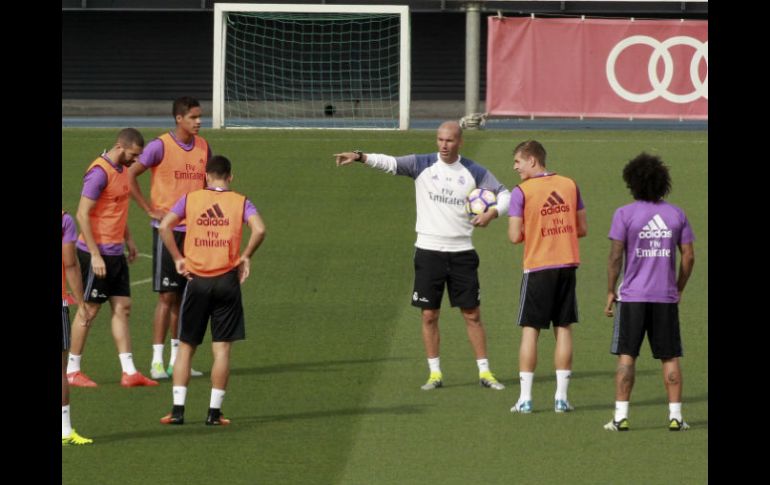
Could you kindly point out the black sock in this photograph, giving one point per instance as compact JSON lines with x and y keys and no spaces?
{"x":214,"y":413}
{"x":177,"y":411}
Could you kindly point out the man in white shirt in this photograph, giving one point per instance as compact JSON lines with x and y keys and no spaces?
{"x":444,"y":254}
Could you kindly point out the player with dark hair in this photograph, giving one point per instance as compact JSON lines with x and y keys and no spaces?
{"x":647,"y":233}
{"x":103,"y":219}
{"x":444,"y":254}
{"x":548,"y":215}
{"x":177,"y":161}
{"x":215,"y":270}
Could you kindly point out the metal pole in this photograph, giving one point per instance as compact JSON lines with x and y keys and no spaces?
{"x":472,"y":45}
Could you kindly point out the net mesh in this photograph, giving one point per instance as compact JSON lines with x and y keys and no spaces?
{"x":312,"y":70}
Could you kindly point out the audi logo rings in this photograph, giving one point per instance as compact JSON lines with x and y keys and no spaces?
{"x":660,"y":86}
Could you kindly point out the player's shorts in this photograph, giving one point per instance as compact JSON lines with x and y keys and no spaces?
{"x":115,"y":283}
{"x":65,"y":327}
{"x":164,"y":274}
{"x":217,"y":298}
{"x":458,"y":271}
{"x":659,"y":320}
{"x":548,"y":296}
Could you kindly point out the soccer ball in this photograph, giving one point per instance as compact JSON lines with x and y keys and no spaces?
{"x":479,"y":201}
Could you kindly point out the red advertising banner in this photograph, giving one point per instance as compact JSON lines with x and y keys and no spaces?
{"x":609,"y":68}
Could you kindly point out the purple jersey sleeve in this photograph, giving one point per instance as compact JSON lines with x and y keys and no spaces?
{"x":516,"y":209}
{"x":180,"y":207}
{"x":580,"y":205}
{"x":68,"y":231}
{"x":249,"y":210}
{"x":94,"y":183}
{"x":687,"y":235}
{"x":152,"y":154}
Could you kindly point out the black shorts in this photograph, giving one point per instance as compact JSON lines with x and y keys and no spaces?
{"x":434,"y":269}
{"x":65,"y":328}
{"x":164,"y":274}
{"x":659,"y":320}
{"x":115,"y":283}
{"x":217,"y":298}
{"x":548,"y":296}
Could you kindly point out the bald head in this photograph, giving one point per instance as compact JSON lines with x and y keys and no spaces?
{"x":449,"y":139}
{"x":452,"y":126}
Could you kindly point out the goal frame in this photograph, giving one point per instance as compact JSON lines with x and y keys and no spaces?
{"x":220,"y":38}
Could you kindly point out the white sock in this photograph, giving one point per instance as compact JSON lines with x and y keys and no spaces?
{"x":562,"y":384}
{"x":174,"y":349}
{"x":73,"y":363}
{"x":483,"y":365}
{"x":435,"y":365}
{"x":66,"y":427}
{"x":525,"y":379}
{"x":621,"y":410}
{"x":127,"y":363}
{"x":157,"y":353}
{"x":217,"y":396}
{"x":180,"y":395}
{"x":675,"y":411}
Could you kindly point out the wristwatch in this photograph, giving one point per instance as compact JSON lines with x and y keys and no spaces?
{"x":359,"y":155}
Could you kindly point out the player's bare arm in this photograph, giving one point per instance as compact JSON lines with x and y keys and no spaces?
{"x":134,"y":171}
{"x":130,"y":245}
{"x":258,"y":232}
{"x":582,"y":223}
{"x":614,"y":265}
{"x":515,"y":229}
{"x":685,"y":266}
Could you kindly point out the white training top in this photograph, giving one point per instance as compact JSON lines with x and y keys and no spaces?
{"x":440,"y":191}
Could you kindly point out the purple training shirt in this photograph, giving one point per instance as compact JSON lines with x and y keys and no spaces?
{"x":94,"y":183}
{"x":153,"y":155}
{"x":69,"y":233}
{"x":180,"y":208}
{"x":651,"y":232}
{"x":516,"y":209}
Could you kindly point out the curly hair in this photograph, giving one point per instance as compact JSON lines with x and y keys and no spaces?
{"x":647,"y":178}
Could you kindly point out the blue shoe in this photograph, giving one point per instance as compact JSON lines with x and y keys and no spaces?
{"x":562,"y":406}
{"x":523,"y":407}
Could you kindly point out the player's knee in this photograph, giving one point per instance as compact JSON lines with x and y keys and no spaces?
{"x":123,"y":309}
{"x":167,"y":298}
{"x":430,"y":317}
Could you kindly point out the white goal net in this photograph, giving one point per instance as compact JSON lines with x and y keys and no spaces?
{"x":311,"y":66}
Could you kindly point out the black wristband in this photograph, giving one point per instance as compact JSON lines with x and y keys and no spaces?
{"x":359,"y":155}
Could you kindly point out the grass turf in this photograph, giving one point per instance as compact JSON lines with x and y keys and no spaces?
{"x":326,"y":387}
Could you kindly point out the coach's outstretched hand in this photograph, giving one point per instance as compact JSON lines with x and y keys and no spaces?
{"x":345,"y":158}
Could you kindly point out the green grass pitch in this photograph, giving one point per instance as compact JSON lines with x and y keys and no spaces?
{"x":325,"y":390}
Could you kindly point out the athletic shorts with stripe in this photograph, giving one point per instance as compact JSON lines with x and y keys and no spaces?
{"x":115,"y":282}
{"x":548,"y":296}
{"x":65,"y":327}
{"x":458,"y":271}
{"x":660,"y":321}
{"x":164,"y":274}
{"x":218,"y":299}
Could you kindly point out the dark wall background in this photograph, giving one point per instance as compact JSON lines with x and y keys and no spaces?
{"x":158,"y":55}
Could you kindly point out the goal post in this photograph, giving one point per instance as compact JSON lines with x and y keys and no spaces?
{"x":311,"y":66}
